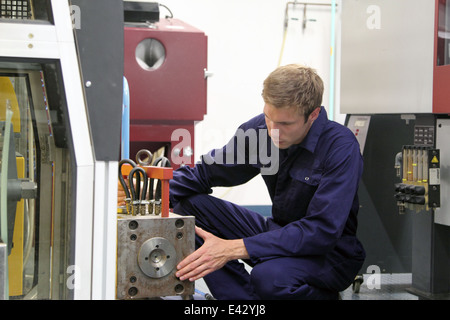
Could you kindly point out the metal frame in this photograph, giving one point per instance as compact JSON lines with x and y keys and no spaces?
{"x":100,"y":46}
{"x":442,"y":214}
{"x":104,"y":251}
{"x":3,"y":268}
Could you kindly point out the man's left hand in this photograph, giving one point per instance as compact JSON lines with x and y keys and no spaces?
{"x":211,"y":256}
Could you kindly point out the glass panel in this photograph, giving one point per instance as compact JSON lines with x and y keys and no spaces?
{"x":26,"y":10}
{"x":443,"y":34}
{"x":38,"y":189}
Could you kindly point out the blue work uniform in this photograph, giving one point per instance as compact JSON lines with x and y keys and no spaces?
{"x":308,"y":248}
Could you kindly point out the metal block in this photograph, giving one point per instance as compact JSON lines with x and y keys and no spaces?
{"x":148,"y":250}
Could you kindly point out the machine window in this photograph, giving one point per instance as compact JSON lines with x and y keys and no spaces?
{"x":28,"y":10}
{"x":36,"y":209}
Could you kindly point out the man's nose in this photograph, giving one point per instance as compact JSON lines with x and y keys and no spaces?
{"x":274,"y":133}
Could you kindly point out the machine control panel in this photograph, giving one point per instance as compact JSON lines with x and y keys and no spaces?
{"x":420,"y":175}
{"x":359,"y":125}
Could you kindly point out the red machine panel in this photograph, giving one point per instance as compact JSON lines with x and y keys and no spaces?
{"x":176,"y":90}
{"x":441,"y":72}
{"x":154,"y":136}
{"x":165,"y":68}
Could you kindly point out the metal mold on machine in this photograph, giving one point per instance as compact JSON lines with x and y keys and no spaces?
{"x":149,"y":248}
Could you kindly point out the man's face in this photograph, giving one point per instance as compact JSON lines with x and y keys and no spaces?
{"x":286,"y":126}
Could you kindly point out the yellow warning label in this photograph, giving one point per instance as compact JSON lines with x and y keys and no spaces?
{"x":434,"y":160}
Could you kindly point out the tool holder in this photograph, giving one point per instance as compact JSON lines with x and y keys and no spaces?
{"x":163,"y":174}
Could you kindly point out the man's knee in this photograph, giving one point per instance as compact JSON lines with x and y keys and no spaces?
{"x":268,"y":282}
{"x":272,"y":281}
{"x":263,"y":286}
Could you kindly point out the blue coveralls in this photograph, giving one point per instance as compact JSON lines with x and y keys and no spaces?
{"x":308,"y":249}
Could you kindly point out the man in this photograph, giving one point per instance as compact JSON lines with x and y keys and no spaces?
{"x":308,"y":249}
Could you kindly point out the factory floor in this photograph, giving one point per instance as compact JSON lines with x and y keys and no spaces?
{"x":390,"y":287}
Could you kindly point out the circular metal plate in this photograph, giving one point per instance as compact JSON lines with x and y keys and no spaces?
{"x":157,"y":257}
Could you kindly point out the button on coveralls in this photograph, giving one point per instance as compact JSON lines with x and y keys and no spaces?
{"x":308,"y":248}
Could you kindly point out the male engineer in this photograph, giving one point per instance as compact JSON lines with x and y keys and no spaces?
{"x":308,"y":248}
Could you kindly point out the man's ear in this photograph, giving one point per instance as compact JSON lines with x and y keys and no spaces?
{"x":315,"y":114}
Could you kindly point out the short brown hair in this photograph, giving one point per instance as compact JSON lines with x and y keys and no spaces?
{"x":294,"y":85}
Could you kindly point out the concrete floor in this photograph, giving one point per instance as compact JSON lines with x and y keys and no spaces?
{"x":373,"y":287}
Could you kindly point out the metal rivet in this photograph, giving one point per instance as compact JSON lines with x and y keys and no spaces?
{"x":133,"y":291}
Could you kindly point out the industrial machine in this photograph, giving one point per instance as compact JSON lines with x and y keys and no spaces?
{"x":166,"y":68}
{"x":47,"y":170}
{"x":62,"y":240}
{"x":394,"y":74}
{"x":165,"y":64}
{"x":61,"y":72}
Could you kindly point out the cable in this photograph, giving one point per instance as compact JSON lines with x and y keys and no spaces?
{"x":282,"y":47}
{"x":285,"y":27}
{"x":207,"y":296}
{"x":171,"y":14}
